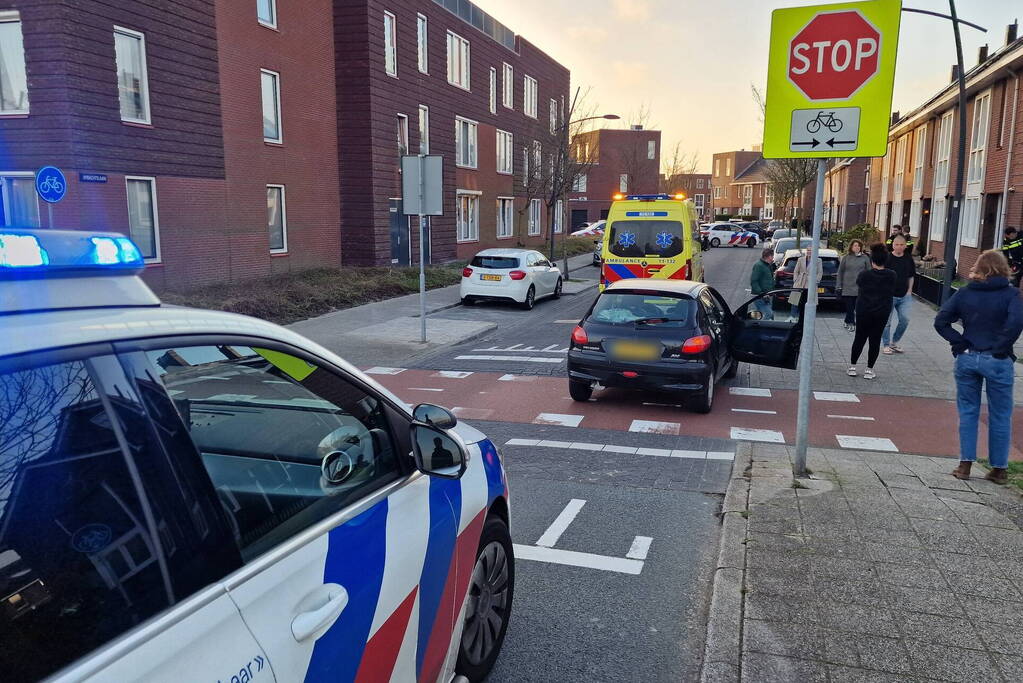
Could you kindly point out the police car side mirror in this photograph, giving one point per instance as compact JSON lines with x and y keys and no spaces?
{"x":431,"y":414}
{"x":438,"y":453}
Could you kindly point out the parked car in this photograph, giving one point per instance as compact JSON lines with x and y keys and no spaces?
{"x":785,"y":244}
{"x":774,"y":226}
{"x":729,"y":234}
{"x":826,"y":290}
{"x":598,"y":249}
{"x":519,"y":275}
{"x":674,"y":336}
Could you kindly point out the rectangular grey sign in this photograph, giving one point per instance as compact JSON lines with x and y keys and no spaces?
{"x":825,"y":129}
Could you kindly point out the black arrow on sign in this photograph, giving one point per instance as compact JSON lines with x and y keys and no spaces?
{"x":832,"y":142}
{"x":812,"y":144}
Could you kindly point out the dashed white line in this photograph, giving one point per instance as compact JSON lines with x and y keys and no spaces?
{"x":654,"y":427}
{"x":749,"y":391}
{"x":516,"y":378}
{"x":553,"y":348}
{"x":572,"y":558}
{"x":472,"y":413}
{"x":549,"y":539}
{"x":567,"y":322}
{"x":694,"y":455}
{"x":758,"y":412}
{"x":558,"y":419}
{"x":720,"y":455}
{"x":660,"y":452}
{"x":521,"y":359}
{"x":555,"y":444}
{"x":452,"y":374}
{"x":522,"y":442}
{"x":624,"y":450}
{"x":423,"y":389}
{"x":867,"y":443}
{"x":765,"y":435}
{"x":836,"y":396}
{"x":587,"y":447}
{"x":852,"y":417}
{"x":640,"y":548}
{"x":384,"y":371}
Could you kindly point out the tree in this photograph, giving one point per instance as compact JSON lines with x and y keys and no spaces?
{"x":675,"y":168}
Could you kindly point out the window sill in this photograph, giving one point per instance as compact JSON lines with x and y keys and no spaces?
{"x":511,"y":173}
{"x":469,"y":241}
{"x":276,"y":254}
{"x":271,"y":27}
{"x":154,"y":263}
{"x":468,"y":168}
{"x":136,"y":124}
{"x":394,"y":75}
{"x":425,"y":73}
{"x":273,"y":143}
{"x":459,"y":86}
{"x":14,"y":115}
{"x":507,"y":237}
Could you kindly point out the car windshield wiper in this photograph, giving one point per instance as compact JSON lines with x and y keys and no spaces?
{"x":651,"y":321}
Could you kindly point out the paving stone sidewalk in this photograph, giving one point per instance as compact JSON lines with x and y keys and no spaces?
{"x":883,"y":568}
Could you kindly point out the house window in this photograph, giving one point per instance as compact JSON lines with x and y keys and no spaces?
{"x":728,"y":167}
{"x":554,"y":116}
{"x":422,"y":44}
{"x":266,"y":12}
{"x":699,"y":200}
{"x":579,"y":183}
{"x":493,"y":90}
{"x":944,"y":153}
{"x":277,"y":219}
{"x":699,"y":183}
{"x":465,"y":143}
{"x":918,"y":159}
{"x":651,"y":149}
{"x":537,"y":159}
{"x":717,"y":167}
{"x":270,"y":82}
{"x":468,"y":216}
{"x":508,"y":87}
{"x":559,"y":216}
{"x":978,"y":139}
{"x":971,"y":222}
{"x":623,"y":182}
{"x":143,"y":217}
{"x":132,"y":80}
{"x":505,"y":152}
{"x":534,"y":217}
{"x":402,"y":131}
{"x":505,"y":217}
{"x":458,"y":60}
{"x":390,"y":45}
{"x":525,"y":166}
{"x":13,"y":83}
{"x":424,"y":129}
{"x":19,"y":206}
{"x":529,"y":96}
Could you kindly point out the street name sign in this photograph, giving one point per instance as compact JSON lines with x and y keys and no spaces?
{"x":830,"y":77}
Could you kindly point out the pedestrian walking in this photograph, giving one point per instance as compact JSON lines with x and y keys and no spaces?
{"x":761,"y":281}
{"x":991,"y":312}
{"x":1012,"y":247}
{"x":901,"y":261}
{"x":853,"y":263}
{"x":874,"y":300}
{"x":801,"y":277}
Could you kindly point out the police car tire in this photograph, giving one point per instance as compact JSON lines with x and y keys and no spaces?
{"x":715,"y":242}
{"x":751,"y":242}
{"x":494,"y":530}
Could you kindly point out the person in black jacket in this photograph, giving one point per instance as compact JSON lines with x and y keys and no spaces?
{"x":876,"y":291}
{"x":991,"y":312}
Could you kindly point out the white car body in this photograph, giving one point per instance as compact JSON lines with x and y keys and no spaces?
{"x":480,"y":282}
{"x":728,"y":235}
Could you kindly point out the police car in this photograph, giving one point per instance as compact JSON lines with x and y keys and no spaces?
{"x":189,"y":495}
{"x":728,"y":234}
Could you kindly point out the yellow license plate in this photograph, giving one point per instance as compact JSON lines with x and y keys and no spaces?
{"x":820,"y":290}
{"x":494,"y":278}
{"x":636,"y":351}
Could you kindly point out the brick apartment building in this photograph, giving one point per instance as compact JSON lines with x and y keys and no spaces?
{"x":234,"y":140}
{"x":742,"y":187}
{"x":615,"y":160}
{"x":726,"y":197}
{"x":696,"y":186}
{"x":845,"y":193}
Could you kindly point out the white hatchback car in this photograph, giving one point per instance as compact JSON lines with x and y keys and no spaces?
{"x":519,"y":275}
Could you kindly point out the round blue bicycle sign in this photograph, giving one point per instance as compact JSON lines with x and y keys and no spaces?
{"x":51,"y":185}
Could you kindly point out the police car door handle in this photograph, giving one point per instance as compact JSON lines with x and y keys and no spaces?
{"x":327,"y":603}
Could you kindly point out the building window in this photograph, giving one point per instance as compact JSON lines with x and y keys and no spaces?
{"x":529,"y":96}
{"x":13,"y":83}
{"x":944,"y":153}
{"x":525,"y":166}
{"x":559,"y":216}
{"x":132,"y":81}
{"x":271,"y":82}
{"x":651,"y":149}
{"x":505,"y":217}
{"x":402,"y":131}
{"x":390,"y":45}
{"x":505,"y":152}
{"x":728,"y":166}
{"x":579,"y":183}
{"x":978,"y":139}
{"x":422,"y":26}
{"x":623,"y":182}
{"x":424,"y":129}
{"x":143,"y":217}
{"x":537,"y":159}
{"x":554,"y":117}
{"x":699,"y":201}
{"x":493,"y":90}
{"x":19,"y":206}
{"x":508,"y":87}
{"x":458,"y":60}
{"x":266,"y":12}
{"x":699,"y":183}
{"x":468,"y":216}
{"x":534,"y":217}
{"x":277,"y":218}
{"x":465,"y":143}
{"x":918,"y":159}
{"x":717,"y":167}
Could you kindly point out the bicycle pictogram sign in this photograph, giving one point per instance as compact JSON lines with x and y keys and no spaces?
{"x":826,"y":119}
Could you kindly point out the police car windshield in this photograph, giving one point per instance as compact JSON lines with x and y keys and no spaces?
{"x":627,"y":308}
{"x":655,"y":238}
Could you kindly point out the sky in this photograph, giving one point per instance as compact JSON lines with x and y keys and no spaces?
{"x":693,"y":62}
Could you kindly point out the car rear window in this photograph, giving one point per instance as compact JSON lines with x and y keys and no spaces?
{"x":495,"y":262}
{"x":830,"y":264}
{"x":659,"y":308}
{"x":662,"y":239}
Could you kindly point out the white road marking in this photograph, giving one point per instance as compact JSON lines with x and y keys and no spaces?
{"x":502,"y":359}
{"x":558,"y":419}
{"x":835,"y":396}
{"x":758,"y":412}
{"x":384,"y":371}
{"x":522,"y":442}
{"x":423,"y":389}
{"x":720,"y":455}
{"x":555,"y":444}
{"x":567,"y":322}
{"x":472,"y":413}
{"x":587,"y":447}
{"x":553,"y":348}
{"x":660,"y":452}
{"x":654,"y":427}
{"x":549,"y":539}
{"x":693,"y":455}
{"x":516,"y":378}
{"x":640,"y":548}
{"x":512,"y":348}
{"x":852,"y":417}
{"x":575,"y":559}
{"x":625,"y":450}
{"x":451,"y":374}
{"x":767,"y":435}
{"x":868,"y":443}
{"x":749,"y":391}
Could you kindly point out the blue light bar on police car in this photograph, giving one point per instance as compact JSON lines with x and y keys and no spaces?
{"x":56,"y":252}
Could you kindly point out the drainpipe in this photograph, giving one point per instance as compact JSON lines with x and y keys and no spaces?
{"x":1000,"y":234}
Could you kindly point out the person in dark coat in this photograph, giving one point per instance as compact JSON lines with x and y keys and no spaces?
{"x":874,"y":300}
{"x":991,"y":312}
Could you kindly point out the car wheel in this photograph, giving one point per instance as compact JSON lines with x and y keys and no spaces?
{"x":580,"y":391}
{"x":488,"y":602}
{"x":751,"y":242}
{"x":468,"y":301}
{"x":557,"y":289}
{"x":705,"y":401}
{"x":732,"y":370}
{"x":530,"y":298}
{"x":715,"y":242}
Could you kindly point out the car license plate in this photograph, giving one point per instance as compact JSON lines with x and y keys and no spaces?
{"x":638,"y":351}
{"x":820,"y":290}
{"x":492,"y":278}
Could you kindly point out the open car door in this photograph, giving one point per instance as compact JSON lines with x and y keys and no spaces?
{"x":762,"y":336}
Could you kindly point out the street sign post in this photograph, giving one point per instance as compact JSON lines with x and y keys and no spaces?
{"x":422,"y":194}
{"x":830,"y":78}
{"x":51,"y":186}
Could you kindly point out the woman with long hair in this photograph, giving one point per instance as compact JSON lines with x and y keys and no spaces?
{"x":875,"y":289}
{"x":991,"y":312}
{"x":853,"y":263}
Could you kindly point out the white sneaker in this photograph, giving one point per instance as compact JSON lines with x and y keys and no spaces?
{"x":869,"y":374}
{"x":888,"y":351}
{"x":851,"y":371}
{"x":896,"y":348}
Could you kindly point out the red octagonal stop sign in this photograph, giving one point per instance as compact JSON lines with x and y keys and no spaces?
{"x":834,"y":55}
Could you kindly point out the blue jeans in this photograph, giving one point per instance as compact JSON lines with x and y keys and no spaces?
{"x":763,"y":304}
{"x":971,"y":371}
{"x":900,"y":308}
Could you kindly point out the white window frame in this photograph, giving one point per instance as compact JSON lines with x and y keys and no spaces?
{"x":508,"y":85}
{"x":156,"y":214}
{"x":505,"y":145}
{"x":943,"y":156}
{"x":554,"y":117}
{"x":284,"y":218}
{"x":559,"y":216}
{"x":525,"y":165}
{"x":493,"y":90}
{"x":277,"y":105}
{"x":505,"y":218}
{"x":4,"y":196}
{"x":401,"y":131}
{"x":423,"y":43}
{"x":579,"y":183}
{"x":918,"y":160}
{"x":424,"y":129}
{"x":623,"y":182}
{"x":535,"y":218}
{"x":537,"y":159}
{"x":473,"y":226}
{"x":699,"y":201}
{"x":473,"y":148}
{"x":391,"y":44}
{"x":651,"y":150}
{"x":148,"y":119}
{"x":458,"y":47}
{"x":272,"y":22}
{"x":14,"y":17}
{"x":979,"y":131}
{"x":530,"y":89}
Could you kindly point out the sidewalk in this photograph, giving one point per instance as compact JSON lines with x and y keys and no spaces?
{"x":879,"y":568}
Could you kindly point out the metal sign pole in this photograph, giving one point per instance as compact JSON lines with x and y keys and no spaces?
{"x":49,"y":213}
{"x":806,"y":347}
{"x":422,"y":251}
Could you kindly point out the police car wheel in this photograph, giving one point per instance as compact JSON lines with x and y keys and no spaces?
{"x":751,"y":242}
{"x":488,"y":602}
{"x":715,"y":242}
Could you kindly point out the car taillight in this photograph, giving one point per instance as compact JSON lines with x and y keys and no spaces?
{"x":697,"y":344}
{"x":467,"y":272}
{"x":579,"y":336}
{"x":517,"y":274}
